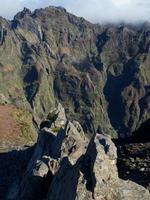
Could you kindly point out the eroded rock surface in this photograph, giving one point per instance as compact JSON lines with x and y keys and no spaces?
{"x":68,"y":166}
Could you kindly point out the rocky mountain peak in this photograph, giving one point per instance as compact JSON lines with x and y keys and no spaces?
{"x":25,"y":12}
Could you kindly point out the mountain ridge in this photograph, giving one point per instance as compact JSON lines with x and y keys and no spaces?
{"x":58,"y":71}
{"x":103,"y":71}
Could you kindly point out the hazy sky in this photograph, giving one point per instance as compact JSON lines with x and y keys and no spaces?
{"x":96,"y":11}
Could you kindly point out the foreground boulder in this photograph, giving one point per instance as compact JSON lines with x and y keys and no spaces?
{"x":94,"y":176}
{"x":67,"y":166}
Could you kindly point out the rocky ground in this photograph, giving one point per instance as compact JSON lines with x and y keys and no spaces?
{"x":134,"y":156}
{"x":134,"y":162}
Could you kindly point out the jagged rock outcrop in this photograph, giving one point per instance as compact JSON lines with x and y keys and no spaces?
{"x":94,"y":176}
{"x":98,"y":73}
{"x":66,"y":165}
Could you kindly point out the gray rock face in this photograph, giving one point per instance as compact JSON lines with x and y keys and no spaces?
{"x":55,"y":119}
{"x":94,"y":176}
{"x":67,"y":166}
{"x":60,"y":119}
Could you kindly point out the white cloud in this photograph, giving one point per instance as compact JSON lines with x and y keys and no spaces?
{"x":97,"y":11}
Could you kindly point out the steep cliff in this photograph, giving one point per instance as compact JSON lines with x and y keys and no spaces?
{"x":100,"y":74}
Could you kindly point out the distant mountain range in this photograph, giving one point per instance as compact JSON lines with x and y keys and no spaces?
{"x":100,"y":74}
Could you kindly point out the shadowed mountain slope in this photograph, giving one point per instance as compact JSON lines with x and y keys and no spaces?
{"x":100,"y":74}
